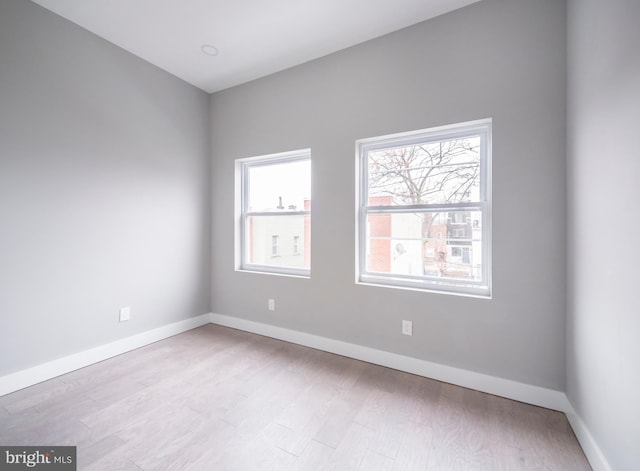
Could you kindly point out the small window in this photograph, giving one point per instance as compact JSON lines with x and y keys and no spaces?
{"x":296,"y":245}
{"x":424,"y":209}
{"x":275,"y":207}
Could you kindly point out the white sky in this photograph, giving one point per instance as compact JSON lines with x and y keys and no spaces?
{"x":290,"y":180}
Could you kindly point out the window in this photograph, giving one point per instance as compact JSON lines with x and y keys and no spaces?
{"x":296,"y":245}
{"x":275,"y":207}
{"x":424,"y":209}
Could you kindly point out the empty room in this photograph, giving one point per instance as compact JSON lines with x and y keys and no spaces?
{"x":319,"y":235}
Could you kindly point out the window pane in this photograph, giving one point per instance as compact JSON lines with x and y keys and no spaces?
{"x":282,"y":186}
{"x":445,"y":244}
{"x":280,"y":241}
{"x":430,"y":173}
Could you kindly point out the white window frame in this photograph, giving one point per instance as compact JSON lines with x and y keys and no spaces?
{"x":481,"y":288}
{"x":243,"y":214}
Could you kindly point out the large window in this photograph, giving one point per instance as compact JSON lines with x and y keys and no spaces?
{"x":424,"y":209}
{"x":275,"y":214}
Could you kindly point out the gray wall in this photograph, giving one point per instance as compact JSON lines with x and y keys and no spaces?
{"x":603,"y":347}
{"x":504,"y":60}
{"x":104,"y":191}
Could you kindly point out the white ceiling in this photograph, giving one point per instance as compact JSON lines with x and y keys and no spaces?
{"x":254,"y":37}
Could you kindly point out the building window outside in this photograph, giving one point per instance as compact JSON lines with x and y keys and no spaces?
{"x":424,"y":209}
{"x":296,"y":245}
{"x":275,"y":206}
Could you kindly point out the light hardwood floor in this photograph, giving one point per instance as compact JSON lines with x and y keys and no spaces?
{"x":219,"y":399}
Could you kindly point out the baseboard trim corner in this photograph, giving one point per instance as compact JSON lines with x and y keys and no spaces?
{"x":522,"y":392}
{"x":51,"y":369}
{"x":596,"y":458}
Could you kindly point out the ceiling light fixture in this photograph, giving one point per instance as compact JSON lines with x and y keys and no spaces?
{"x":209,"y":50}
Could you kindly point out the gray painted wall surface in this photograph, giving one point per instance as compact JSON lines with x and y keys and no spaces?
{"x":104,"y":191}
{"x":603,"y":347}
{"x":503,"y":60}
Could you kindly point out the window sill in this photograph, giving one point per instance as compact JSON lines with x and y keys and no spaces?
{"x":286,"y":273}
{"x":481,"y":292}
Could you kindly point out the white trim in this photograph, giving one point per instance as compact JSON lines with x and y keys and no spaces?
{"x":535,"y":395}
{"x":530,"y":394}
{"x":515,"y":390}
{"x":596,"y":458}
{"x":30,"y":376}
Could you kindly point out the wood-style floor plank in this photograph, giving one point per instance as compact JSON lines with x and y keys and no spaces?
{"x":219,"y":398}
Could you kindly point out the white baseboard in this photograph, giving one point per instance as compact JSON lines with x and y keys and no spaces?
{"x":30,"y":376}
{"x":530,"y":394}
{"x":535,"y":395}
{"x":596,"y":458}
{"x":522,"y":392}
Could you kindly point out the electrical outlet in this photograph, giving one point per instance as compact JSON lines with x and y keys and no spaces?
{"x":407,"y":328}
{"x":125,"y":314}
{"x":272,"y":304}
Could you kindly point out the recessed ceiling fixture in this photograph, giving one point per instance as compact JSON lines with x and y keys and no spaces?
{"x":209,"y":50}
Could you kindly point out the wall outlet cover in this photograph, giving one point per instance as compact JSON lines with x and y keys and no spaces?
{"x":407,"y":327}
{"x":125,"y":314}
